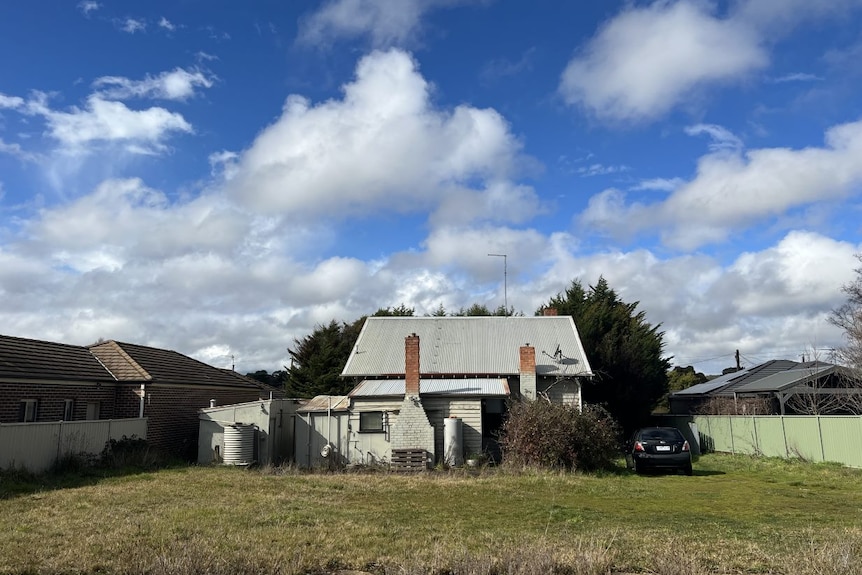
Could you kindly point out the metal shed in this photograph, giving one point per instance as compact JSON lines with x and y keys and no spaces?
{"x":274,"y":421}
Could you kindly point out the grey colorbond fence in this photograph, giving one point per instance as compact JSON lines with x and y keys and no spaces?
{"x":37,"y":446}
{"x":835,"y":438}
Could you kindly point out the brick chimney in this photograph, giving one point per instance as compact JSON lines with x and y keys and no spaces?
{"x":411,"y":365}
{"x":527,"y":371}
{"x":549,"y":311}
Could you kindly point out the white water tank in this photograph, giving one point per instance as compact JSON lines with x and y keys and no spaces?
{"x":239,"y":444}
{"x":453,"y":441}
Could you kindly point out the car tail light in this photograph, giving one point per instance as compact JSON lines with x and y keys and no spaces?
{"x":685,"y":446}
{"x":639,"y":446}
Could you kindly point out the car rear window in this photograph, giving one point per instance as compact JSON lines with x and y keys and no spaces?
{"x":661,"y":434}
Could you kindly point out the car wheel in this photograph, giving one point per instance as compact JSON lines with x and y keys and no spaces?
{"x":688,"y":470}
{"x":637,"y":468}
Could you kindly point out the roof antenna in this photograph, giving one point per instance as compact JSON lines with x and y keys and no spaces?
{"x":232,"y":362}
{"x":505,"y":281}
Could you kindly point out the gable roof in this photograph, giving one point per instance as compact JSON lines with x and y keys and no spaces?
{"x":131,"y":362}
{"x":22,"y":358}
{"x":468,"y":345}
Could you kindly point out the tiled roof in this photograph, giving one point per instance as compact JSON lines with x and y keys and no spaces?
{"x":131,"y":362}
{"x":22,"y":358}
{"x":468,"y":346}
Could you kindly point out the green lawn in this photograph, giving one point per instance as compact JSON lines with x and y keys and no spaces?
{"x":737,"y":514}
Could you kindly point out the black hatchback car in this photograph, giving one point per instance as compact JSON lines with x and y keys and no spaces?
{"x":653,"y":448}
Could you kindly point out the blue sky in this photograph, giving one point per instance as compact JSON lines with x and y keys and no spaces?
{"x":220,"y":177}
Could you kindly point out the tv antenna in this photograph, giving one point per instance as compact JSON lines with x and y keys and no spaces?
{"x":505,"y":281}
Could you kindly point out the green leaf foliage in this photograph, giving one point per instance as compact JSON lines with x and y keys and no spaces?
{"x":623,"y":348}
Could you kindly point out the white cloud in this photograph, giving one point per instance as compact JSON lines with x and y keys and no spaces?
{"x":649,"y":59}
{"x":132,"y":25}
{"x":646,"y":59}
{"x":722,"y":138}
{"x":87,"y":6}
{"x":797,"y":77}
{"x":109,"y":121}
{"x":600,"y":170}
{"x":383,"y":146}
{"x":166,"y":24}
{"x":15,"y":149}
{"x":659,"y":184}
{"x":732,"y":189}
{"x":386,"y":22}
{"x":11,"y":102}
{"x":177,"y":84}
{"x":103,"y":121}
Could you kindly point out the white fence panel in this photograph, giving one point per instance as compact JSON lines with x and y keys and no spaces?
{"x":37,"y":446}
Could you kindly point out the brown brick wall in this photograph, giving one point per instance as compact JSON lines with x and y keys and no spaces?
{"x":172,"y":414}
{"x":52,"y":398}
{"x":411,"y":364}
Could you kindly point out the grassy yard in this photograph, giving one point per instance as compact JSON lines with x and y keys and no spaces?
{"x":737,"y":514}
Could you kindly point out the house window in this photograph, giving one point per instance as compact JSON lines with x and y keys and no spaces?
{"x":28,"y":410}
{"x":371,"y":421}
{"x":68,"y":409}
{"x":93,"y":410}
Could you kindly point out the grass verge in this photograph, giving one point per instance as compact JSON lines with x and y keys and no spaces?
{"x":736,"y":515}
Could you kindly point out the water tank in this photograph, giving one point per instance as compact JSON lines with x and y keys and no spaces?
{"x":239,"y":444}
{"x":453,"y":441}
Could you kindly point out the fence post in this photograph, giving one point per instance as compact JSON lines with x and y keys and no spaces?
{"x":820,"y":437}
{"x":784,"y":434}
{"x":732,"y":443}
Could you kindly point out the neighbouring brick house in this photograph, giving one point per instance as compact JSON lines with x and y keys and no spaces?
{"x":47,"y":381}
{"x":412,"y":373}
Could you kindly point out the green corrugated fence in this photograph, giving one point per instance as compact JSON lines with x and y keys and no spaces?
{"x":835,"y":438}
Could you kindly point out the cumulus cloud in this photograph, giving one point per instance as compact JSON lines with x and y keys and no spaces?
{"x":733,"y":188}
{"x":648,"y":59}
{"x":177,"y":84}
{"x":167,"y":24}
{"x":383,"y":146}
{"x":103,"y":121}
{"x":385,"y":22}
{"x":722,"y":138}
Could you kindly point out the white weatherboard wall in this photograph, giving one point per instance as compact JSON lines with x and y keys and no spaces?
{"x":370,"y":448}
{"x":274,"y":420}
{"x":37,"y":446}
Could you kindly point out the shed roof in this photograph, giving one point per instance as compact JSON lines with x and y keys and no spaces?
{"x":325,"y":403}
{"x":471,"y":387}
{"x":22,"y":358}
{"x":468,"y":345}
{"x":757,"y":373}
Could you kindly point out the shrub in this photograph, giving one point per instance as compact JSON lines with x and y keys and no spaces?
{"x":544,"y":434}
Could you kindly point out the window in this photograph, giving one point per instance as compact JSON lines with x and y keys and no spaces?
{"x":371,"y":421}
{"x":68,"y":409}
{"x":93,"y":410}
{"x":28,"y":410}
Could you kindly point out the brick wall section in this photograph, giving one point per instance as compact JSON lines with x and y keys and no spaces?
{"x":411,"y":364}
{"x":52,"y":398}
{"x":412,"y":430}
{"x":549,"y":311}
{"x":528,"y":371}
{"x":172,"y":413}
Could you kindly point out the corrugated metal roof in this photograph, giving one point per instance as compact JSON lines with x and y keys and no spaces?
{"x":325,"y":403}
{"x":468,"y":345}
{"x":474,"y":387}
{"x":786,"y":379}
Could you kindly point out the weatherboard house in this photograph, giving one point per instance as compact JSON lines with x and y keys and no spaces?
{"x":413,"y":373}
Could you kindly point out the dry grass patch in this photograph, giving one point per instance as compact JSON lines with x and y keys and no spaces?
{"x":735,"y":515}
